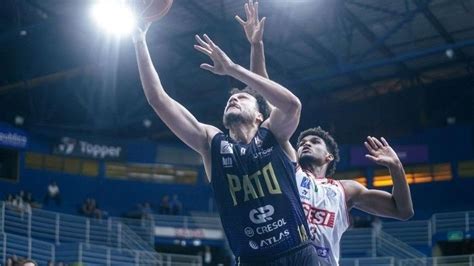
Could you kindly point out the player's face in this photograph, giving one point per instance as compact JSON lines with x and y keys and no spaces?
{"x":313,"y":149}
{"x":240,"y":108}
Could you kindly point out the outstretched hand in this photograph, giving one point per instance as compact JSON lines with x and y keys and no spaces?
{"x":222,"y":63}
{"x":380,"y":152}
{"x":253,"y":27}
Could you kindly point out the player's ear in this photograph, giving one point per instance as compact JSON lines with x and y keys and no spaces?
{"x":329,"y":157}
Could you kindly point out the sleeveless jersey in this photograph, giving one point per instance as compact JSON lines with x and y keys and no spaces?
{"x":257,"y":198}
{"x":324,"y":203}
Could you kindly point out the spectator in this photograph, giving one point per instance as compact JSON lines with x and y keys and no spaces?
{"x":12,"y":260}
{"x":17,"y":203}
{"x":9,"y":262}
{"x":53,"y":193}
{"x":9,"y":199}
{"x":176,"y":206}
{"x":97,"y":213}
{"x":146,"y":211}
{"x":18,"y":200}
{"x":165,"y":205}
{"x":207,"y":255}
{"x":90,"y":209}
{"x":31,"y":201}
{"x":27,"y":262}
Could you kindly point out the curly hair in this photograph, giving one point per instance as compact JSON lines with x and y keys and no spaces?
{"x":262,"y":104}
{"x":331,"y":144}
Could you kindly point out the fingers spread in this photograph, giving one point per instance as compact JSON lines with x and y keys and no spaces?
{"x":372,"y":143}
{"x":241,"y":21}
{"x":202,"y":50}
{"x":262,"y":23}
{"x":247,"y":11}
{"x":384,"y":141}
{"x":209,"y":41}
{"x":369,"y":148}
{"x":378,"y":143}
{"x":201,"y":42}
{"x":256,"y":11}
{"x":207,"y":67}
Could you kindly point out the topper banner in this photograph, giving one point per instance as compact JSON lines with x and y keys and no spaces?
{"x":84,"y":148}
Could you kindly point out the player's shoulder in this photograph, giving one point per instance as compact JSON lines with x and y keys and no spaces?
{"x":352,"y":187}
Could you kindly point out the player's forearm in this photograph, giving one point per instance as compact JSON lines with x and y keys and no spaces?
{"x":279,"y":96}
{"x":401,"y":192}
{"x":257,"y":59}
{"x":148,"y":75}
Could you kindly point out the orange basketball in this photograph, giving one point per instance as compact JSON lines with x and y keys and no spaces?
{"x":152,"y":10}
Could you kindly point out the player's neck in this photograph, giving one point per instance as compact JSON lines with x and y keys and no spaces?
{"x":243,"y":133}
{"x":316,"y":171}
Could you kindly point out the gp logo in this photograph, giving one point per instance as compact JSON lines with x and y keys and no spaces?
{"x":262,"y":214}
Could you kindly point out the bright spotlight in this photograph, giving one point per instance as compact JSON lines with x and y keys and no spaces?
{"x":114,"y":16}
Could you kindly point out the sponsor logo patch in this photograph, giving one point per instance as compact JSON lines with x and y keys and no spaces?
{"x":227,"y":162}
{"x":253,"y":244}
{"x":262,"y":214}
{"x":249,"y":231}
{"x":306,"y":183}
{"x":322,"y":252}
{"x":319,"y":216}
{"x":226,"y":147}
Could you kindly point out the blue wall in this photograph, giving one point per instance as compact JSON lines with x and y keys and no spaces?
{"x":113,"y":195}
{"x":450,"y":144}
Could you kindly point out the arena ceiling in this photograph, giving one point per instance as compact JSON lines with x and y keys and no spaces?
{"x":60,"y":73}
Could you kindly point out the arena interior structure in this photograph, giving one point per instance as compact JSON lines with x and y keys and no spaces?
{"x":89,"y":175}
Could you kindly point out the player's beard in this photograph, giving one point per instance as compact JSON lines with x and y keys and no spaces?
{"x":309,"y":160}
{"x":232,"y":119}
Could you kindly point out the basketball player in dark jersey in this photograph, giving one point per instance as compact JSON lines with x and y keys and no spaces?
{"x":251,"y":168}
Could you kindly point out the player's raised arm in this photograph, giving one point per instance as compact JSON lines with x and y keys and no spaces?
{"x":253,"y":28}
{"x":285,"y":116}
{"x":195,"y":134}
{"x":396,"y":205}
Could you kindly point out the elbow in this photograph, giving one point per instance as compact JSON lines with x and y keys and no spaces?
{"x":407,"y":215}
{"x":153,"y":96}
{"x":294,"y":106}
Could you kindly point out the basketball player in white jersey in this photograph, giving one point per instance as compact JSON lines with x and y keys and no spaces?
{"x":327,"y":202}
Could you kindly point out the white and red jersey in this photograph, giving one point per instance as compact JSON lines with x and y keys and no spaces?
{"x":324,"y":203}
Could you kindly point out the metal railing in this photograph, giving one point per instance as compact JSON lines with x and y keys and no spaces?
{"x":410,"y":232}
{"x":358,"y":243}
{"x":62,"y":228}
{"x":421,"y":232}
{"x":144,"y":228}
{"x":380,"y":261}
{"x":100,"y":255}
{"x":210,"y":222}
{"x":467,"y":260}
{"x":451,"y":221}
{"x":24,"y":247}
{"x":388,"y":245}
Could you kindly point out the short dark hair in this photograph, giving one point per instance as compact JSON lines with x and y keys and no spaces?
{"x":330,"y":143}
{"x":262,"y":104}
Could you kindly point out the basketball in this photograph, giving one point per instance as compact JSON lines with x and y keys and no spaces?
{"x":152,"y":10}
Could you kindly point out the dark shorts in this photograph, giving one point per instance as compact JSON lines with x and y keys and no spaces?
{"x":305,"y":255}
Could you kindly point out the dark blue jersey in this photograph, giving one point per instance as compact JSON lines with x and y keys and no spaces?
{"x":257,"y":197}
